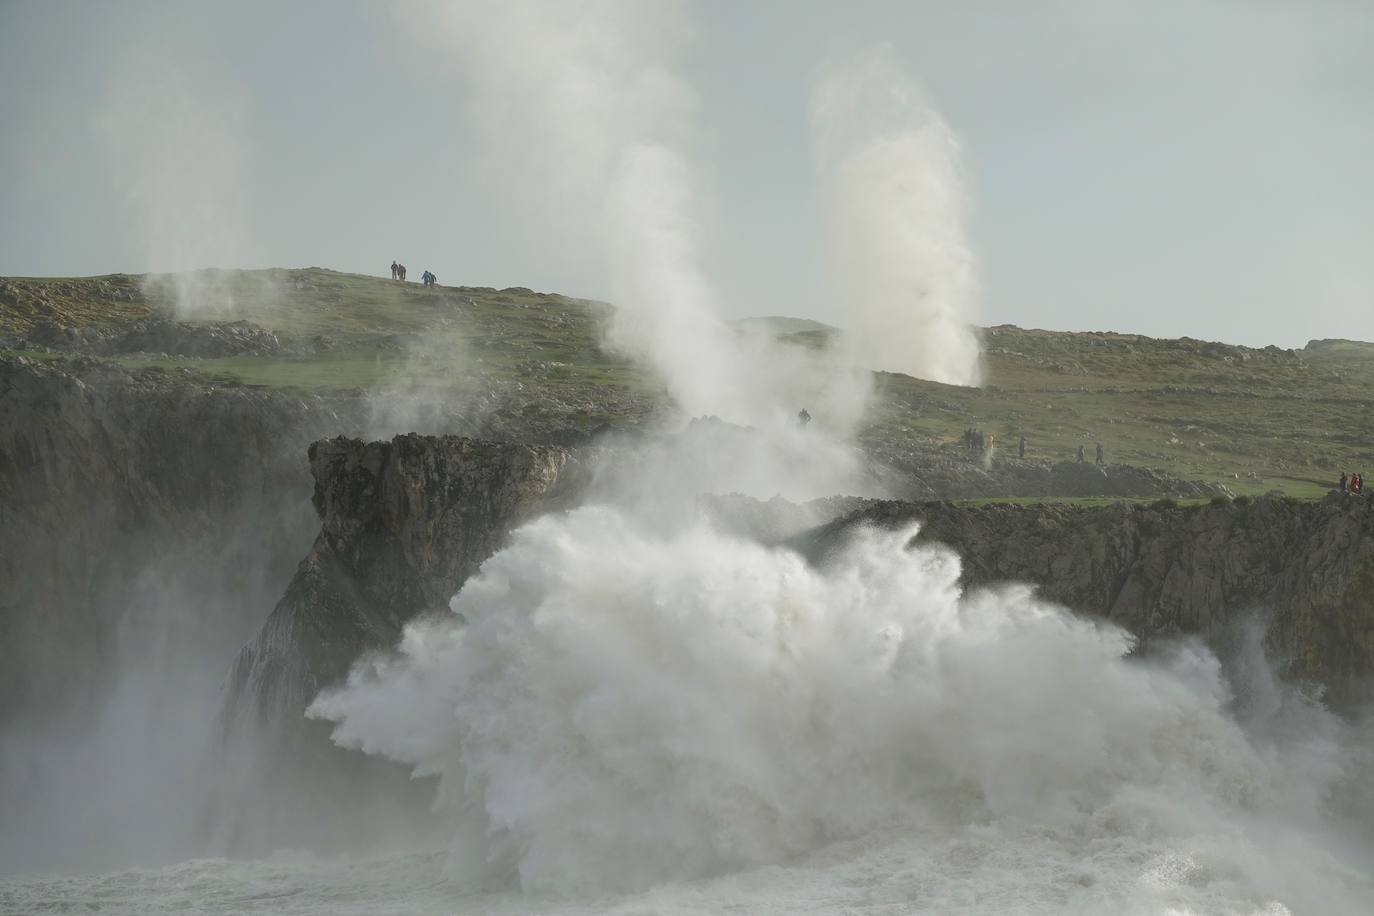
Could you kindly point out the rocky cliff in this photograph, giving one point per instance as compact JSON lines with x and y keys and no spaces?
{"x":402,"y":525}
{"x":1304,"y":570}
{"x":405,"y":522}
{"x":140,"y":511}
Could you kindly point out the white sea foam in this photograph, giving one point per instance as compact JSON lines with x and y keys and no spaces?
{"x":627,"y":706}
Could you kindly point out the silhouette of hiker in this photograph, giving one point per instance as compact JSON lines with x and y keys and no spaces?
{"x":1081,"y":459}
{"x":395,"y":270}
{"x":1342,"y":481}
{"x":803,"y":417}
{"x":1099,"y":454}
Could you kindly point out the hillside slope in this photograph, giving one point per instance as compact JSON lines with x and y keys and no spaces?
{"x":1254,"y":419}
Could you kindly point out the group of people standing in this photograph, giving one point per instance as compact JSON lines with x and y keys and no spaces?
{"x":1101,"y":455}
{"x":398,"y":272}
{"x":1353,"y":484}
{"x":979,"y":442}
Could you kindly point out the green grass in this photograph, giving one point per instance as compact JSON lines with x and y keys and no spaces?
{"x":1255,"y":419}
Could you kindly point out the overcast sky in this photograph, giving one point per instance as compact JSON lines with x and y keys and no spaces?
{"x":1170,"y":167}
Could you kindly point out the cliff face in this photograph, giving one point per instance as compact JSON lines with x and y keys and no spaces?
{"x":1305,"y":569}
{"x":403,"y":524}
{"x":134,"y":508}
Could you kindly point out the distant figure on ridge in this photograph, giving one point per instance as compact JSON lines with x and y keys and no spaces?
{"x":395,"y":271}
{"x":1342,"y":481}
{"x":401,"y":272}
{"x":1357,"y":483}
{"x":428,"y":278}
{"x":1081,"y":459}
{"x":803,"y":417}
{"x":1099,"y":454}
{"x":1021,"y":448}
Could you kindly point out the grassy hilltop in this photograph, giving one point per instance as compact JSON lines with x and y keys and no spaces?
{"x":1254,"y":419}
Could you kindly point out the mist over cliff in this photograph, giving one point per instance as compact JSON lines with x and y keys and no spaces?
{"x":331,"y":593}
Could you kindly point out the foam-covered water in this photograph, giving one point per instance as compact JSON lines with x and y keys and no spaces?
{"x":640,"y":720}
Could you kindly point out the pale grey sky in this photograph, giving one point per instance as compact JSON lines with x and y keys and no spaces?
{"x":1172,"y":167}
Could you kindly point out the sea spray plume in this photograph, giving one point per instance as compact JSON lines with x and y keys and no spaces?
{"x":904,"y":275}
{"x":630,"y":702}
{"x":589,"y":131}
{"x":585,"y":123}
{"x":174,"y":140}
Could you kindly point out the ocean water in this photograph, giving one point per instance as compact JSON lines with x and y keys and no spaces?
{"x":978,"y":870}
{"x":632,"y":718}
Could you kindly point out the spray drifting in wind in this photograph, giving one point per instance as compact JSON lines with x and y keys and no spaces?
{"x":174,"y":140}
{"x":590,"y":128}
{"x":587,"y":127}
{"x":903,"y":268}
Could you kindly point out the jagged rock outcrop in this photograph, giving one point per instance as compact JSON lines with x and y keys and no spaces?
{"x":403,"y":524}
{"x":1306,"y":570}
